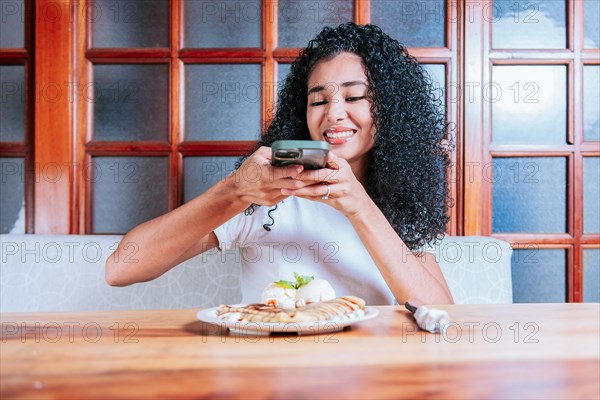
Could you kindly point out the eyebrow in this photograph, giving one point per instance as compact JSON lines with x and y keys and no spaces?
{"x":319,"y":88}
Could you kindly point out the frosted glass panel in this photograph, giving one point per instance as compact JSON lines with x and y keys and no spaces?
{"x":529,"y":104}
{"x":300,"y":21}
{"x":521,"y":199}
{"x":222,"y":102}
{"x":282,"y":72}
{"x":12,"y":24}
{"x":127,"y":23}
{"x":591,"y":103}
{"x":12,"y":195}
{"x":12,"y":104}
{"x":591,"y":23}
{"x":539,"y":275}
{"x":437,"y":73}
{"x":201,"y":173}
{"x":412,"y":23}
{"x":127,"y":191}
{"x":527,"y":24}
{"x":591,"y":275}
{"x":224,"y":23}
{"x":591,"y":195}
{"x":131,"y":101}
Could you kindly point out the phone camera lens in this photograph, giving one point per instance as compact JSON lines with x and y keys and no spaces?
{"x":287,"y":154}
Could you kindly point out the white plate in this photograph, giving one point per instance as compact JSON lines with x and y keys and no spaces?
{"x":266,"y":328}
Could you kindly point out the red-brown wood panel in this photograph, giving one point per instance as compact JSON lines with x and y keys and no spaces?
{"x":54,"y":127}
{"x":475,"y":69}
{"x":83,"y":74}
{"x":176,"y":104}
{"x":362,"y":11}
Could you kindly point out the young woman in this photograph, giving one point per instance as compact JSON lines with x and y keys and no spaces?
{"x":359,"y":222}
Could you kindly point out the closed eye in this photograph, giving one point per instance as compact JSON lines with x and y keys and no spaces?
{"x":357,"y":98}
{"x":318,"y":103}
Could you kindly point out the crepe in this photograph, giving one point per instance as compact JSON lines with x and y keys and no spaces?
{"x":345,"y":307}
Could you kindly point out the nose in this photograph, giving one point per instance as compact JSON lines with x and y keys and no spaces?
{"x":336,"y":110}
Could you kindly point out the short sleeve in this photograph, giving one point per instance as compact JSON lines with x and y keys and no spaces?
{"x":231,"y":232}
{"x":430,"y":247}
{"x":243,"y":229}
{"x":427,"y":248}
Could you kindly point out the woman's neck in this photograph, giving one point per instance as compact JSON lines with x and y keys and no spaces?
{"x":359,"y":168}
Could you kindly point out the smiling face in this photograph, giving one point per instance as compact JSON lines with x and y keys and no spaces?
{"x":339,"y":110}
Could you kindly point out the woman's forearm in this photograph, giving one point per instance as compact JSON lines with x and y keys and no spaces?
{"x":154,"y":247}
{"x":407,"y":275}
{"x":163,"y":242}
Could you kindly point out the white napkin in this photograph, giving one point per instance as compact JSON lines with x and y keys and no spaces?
{"x":431,"y":319}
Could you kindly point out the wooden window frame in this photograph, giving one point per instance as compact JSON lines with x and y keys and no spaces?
{"x":59,"y":51}
{"x":65,"y":206}
{"x":26,"y":57}
{"x":479,"y":150}
{"x":268,"y":56}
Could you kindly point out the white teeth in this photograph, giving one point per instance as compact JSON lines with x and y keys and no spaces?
{"x":336,"y":135}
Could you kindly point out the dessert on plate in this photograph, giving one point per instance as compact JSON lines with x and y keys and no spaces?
{"x":305,"y":290}
{"x":305,"y":300}
{"x":343,"y":308}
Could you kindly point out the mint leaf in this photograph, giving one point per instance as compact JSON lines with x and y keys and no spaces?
{"x":286,"y":284}
{"x":302,"y":280}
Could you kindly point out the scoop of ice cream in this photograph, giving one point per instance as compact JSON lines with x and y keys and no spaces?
{"x":315,"y":291}
{"x":279,"y":296}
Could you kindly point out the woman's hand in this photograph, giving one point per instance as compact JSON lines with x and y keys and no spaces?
{"x":346,"y":193}
{"x":256,"y":181}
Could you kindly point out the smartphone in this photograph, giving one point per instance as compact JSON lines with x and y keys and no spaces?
{"x":310,"y":153}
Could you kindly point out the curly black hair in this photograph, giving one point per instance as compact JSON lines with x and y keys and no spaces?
{"x":405,"y":177}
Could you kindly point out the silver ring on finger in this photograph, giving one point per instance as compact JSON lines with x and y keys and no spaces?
{"x":326,"y":195}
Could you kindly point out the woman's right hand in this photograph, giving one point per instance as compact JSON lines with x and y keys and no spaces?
{"x":258,"y":182}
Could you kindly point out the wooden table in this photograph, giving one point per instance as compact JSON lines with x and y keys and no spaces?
{"x":492,"y":351}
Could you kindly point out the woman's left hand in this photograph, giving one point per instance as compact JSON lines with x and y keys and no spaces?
{"x":346,"y":193}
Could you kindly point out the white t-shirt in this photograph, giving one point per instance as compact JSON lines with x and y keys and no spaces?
{"x":309,"y":238}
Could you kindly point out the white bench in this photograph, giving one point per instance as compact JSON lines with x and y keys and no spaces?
{"x":66,"y":273}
